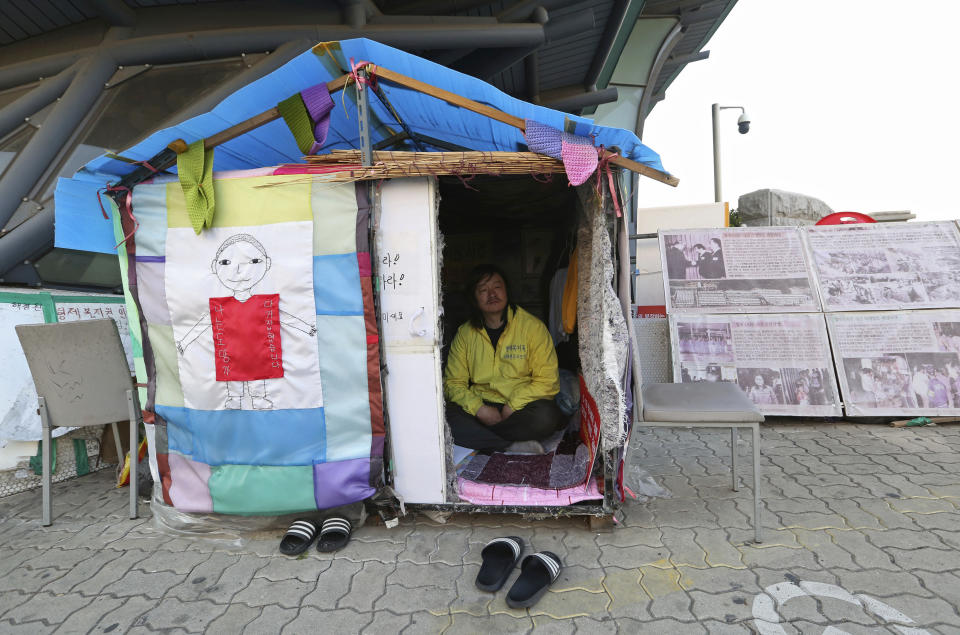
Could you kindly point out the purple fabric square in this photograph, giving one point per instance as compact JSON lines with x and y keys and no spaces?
{"x":341,"y":482}
{"x":319,"y":104}
{"x":543,"y":139}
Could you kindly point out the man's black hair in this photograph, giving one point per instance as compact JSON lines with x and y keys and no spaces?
{"x":477,"y":275}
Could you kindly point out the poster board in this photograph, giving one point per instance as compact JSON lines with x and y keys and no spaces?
{"x":737,"y":270}
{"x":648,"y":285}
{"x":886,"y":266}
{"x":898,"y":363}
{"x":18,"y":396}
{"x":781,"y":361}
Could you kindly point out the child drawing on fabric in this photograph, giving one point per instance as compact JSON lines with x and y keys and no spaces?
{"x":246,"y":327}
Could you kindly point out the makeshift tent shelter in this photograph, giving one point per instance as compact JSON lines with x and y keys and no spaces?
{"x":278,"y":408}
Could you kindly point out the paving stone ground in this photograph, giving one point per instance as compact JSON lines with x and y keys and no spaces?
{"x":862,"y":534}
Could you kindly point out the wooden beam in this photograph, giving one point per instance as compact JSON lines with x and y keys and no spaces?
{"x":445,"y":95}
{"x":263,"y":118}
{"x":645,"y":170}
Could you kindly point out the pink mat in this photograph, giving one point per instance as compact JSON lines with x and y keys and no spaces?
{"x":486,"y":494}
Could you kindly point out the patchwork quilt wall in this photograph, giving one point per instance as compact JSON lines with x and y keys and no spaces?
{"x":259,"y":344}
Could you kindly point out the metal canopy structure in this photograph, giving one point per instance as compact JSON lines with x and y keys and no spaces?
{"x":71,"y":71}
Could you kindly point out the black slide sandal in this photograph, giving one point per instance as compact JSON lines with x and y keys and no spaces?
{"x":334,"y":534}
{"x":499,"y":557}
{"x":537,"y":573}
{"x":299,"y":537}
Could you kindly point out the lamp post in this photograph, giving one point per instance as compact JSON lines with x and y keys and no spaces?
{"x":743,"y":125}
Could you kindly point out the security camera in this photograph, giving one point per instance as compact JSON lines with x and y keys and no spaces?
{"x":743,"y":123}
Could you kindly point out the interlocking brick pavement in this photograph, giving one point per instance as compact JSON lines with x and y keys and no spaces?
{"x":862,"y":532}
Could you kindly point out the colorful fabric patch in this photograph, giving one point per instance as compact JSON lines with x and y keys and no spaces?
{"x":258,"y":438}
{"x":263,"y":200}
{"x":341,"y":482}
{"x":152,"y":292}
{"x":188,"y":484}
{"x":166,"y":374}
{"x":150,"y":208}
{"x":346,"y":377}
{"x":246,"y":337}
{"x":337,"y":285}
{"x":334,"y":218}
{"x":252,"y":437}
{"x":261,"y":489}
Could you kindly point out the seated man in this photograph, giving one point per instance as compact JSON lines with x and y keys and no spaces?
{"x":501,"y":373}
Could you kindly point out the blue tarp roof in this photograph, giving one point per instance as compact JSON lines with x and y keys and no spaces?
{"x":80,"y":224}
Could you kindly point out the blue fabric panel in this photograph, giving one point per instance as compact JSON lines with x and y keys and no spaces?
{"x":247,"y":437}
{"x":273,"y":143}
{"x":84,"y":227}
{"x":342,"y":341}
{"x":439,"y":119}
{"x":336,"y":285}
{"x":150,"y":209}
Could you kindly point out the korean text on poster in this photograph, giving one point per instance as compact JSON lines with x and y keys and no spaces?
{"x":736,"y":270}
{"x":898,"y":362}
{"x":780,"y":361}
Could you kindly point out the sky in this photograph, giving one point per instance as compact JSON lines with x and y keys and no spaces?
{"x":854,"y":102}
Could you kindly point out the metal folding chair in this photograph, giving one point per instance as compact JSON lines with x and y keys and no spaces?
{"x":82,"y":379}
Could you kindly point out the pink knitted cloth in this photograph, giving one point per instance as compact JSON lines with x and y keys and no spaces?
{"x":577,"y":153}
{"x":579,"y":158}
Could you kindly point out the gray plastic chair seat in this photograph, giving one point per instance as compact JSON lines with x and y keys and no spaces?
{"x":699,"y":402}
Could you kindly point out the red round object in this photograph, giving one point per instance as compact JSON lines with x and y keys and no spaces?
{"x":845,"y":218}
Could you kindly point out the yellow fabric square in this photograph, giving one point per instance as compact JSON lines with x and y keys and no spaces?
{"x":243,"y":202}
{"x":334,"y":218}
{"x":169,"y":392}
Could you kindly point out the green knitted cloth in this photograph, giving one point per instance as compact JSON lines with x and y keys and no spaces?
{"x":195,"y":169}
{"x":294,"y":113}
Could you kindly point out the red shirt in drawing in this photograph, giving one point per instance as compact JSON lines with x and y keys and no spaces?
{"x":246,"y":337}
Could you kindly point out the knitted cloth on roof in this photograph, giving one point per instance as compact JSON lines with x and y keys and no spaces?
{"x":577,"y":153}
{"x":319,"y":104}
{"x":579,"y":158}
{"x":543,"y":139}
{"x":195,"y":173}
{"x":294,"y":113}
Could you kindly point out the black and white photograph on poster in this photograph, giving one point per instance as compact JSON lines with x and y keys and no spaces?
{"x":948,"y":336}
{"x":886,"y":265}
{"x":808,"y":386}
{"x":742,"y":295}
{"x":780,"y":361}
{"x":934,"y":379}
{"x":707,"y":371}
{"x":695,"y":256}
{"x":763,"y":386}
{"x":898,"y":363}
{"x":879,"y":382}
{"x":870,"y":291}
{"x":712,"y":341}
{"x":736,"y":270}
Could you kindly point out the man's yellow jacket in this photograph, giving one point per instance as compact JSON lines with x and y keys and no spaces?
{"x":522,"y":369}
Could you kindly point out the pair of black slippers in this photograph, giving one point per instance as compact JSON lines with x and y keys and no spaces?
{"x":537,"y":572}
{"x":334,"y":533}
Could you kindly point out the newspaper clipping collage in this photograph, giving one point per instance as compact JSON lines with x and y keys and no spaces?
{"x":818,"y":320}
